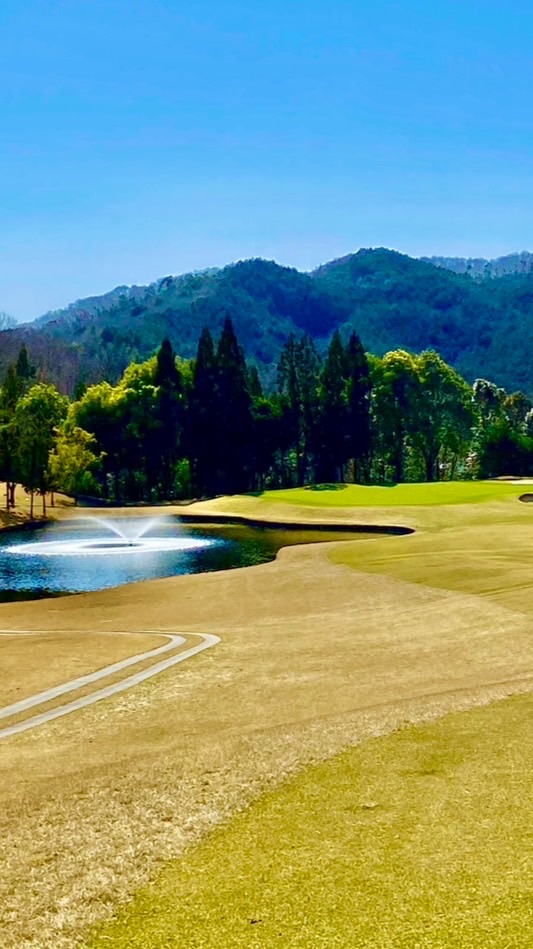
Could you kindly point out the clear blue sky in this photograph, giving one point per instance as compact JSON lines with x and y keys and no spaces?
{"x":145,"y":138}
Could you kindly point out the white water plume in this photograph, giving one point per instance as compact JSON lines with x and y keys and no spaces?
{"x":127,"y":537}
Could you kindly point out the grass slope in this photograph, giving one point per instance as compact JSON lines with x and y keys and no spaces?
{"x":422,"y":838}
{"x":419,"y":839}
{"x":21,"y":514}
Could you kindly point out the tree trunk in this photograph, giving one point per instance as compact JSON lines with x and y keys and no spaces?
{"x":397,"y":461}
{"x":31,"y":505}
{"x":44,"y":503}
{"x":398,"y":466}
{"x":453,"y":466}
{"x":430,"y":464}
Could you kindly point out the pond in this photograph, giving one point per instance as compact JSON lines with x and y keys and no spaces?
{"x":92,"y":553}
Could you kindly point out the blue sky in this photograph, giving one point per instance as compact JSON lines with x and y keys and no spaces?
{"x":140,"y":139}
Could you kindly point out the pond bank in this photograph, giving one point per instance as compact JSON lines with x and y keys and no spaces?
{"x":19,"y":518}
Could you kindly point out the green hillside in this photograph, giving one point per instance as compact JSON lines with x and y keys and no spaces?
{"x":482,"y":328}
{"x":395,"y":301}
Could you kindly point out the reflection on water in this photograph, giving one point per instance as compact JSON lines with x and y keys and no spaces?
{"x":71,"y":557}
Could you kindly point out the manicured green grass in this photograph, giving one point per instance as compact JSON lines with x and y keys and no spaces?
{"x":359,"y":495}
{"x":420,"y":839}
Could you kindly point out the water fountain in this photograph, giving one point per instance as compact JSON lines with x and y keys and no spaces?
{"x":91,"y":552}
{"x":124,"y":535}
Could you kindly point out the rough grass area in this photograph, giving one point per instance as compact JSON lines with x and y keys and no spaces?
{"x":481,"y":559}
{"x":359,"y":495}
{"x":315,"y":657}
{"x":36,"y":661}
{"x":422,"y":838}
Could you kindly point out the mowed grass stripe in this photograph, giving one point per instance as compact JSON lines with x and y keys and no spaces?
{"x":420,"y":839}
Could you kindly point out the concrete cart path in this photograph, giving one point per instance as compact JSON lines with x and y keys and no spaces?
{"x":175,"y":640}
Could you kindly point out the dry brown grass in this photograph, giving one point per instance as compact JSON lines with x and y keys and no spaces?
{"x":32,"y":662}
{"x":85,"y":690}
{"x":314,"y":657}
{"x":21,"y":514}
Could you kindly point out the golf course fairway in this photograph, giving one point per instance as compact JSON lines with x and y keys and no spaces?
{"x":349,"y":767}
{"x":422,"y":838}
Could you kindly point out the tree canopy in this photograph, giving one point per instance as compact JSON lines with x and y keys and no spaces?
{"x":172,"y":428}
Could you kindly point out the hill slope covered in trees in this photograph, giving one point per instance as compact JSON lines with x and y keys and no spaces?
{"x":482,"y":269}
{"x":484,"y":328}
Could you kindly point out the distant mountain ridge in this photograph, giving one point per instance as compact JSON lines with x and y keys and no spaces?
{"x":480,"y":268}
{"x":482,"y":327}
{"x":90,"y":305}
{"x":476,"y":267}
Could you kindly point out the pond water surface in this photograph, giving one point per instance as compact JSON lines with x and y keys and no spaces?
{"x":82,"y":555}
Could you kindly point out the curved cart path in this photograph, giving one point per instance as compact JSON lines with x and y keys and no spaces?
{"x":174,"y":640}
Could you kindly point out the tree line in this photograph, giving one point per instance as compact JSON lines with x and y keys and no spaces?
{"x":175,"y":429}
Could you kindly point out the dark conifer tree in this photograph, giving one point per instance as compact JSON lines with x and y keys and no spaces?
{"x":266,"y":442}
{"x":254,"y":383}
{"x":10,"y":392}
{"x":24,"y":371}
{"x":235,"y":414}
{"x":202,"y":420}
{"x":309,"y":368}
{"x":170,"y":412}
{"x":166,"y":373}
{"x":18,"y":380}
{"x":358,"y":426}
{"x":7,"y":464}
{"x":332,"y":425}
{"x":298,"y":381}
{"x":289,"y":389}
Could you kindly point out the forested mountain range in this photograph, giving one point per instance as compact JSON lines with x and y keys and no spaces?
{"x":481,"y":269}
{"x":484,"y":328}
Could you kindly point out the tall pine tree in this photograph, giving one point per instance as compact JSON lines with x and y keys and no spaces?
{"x":19,"y":378}
{"x":358,"y":424}
{"x":332,"y":426}
{"x":202,"y":419}
{"x":235,"y":419}
{"x":298,"y":383}
{"x":169,"y":415}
